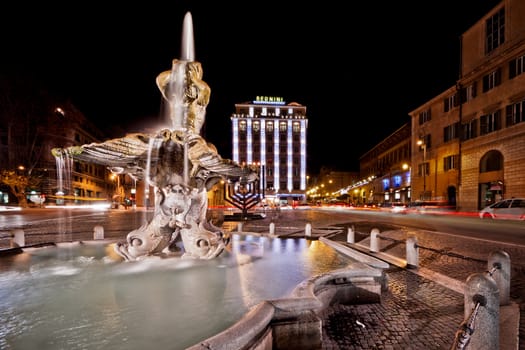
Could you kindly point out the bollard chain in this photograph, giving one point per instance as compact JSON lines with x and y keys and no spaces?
{"x":454,"y":255}
{"x":466,"y":329}
{"x":439,"y":251}
{"x":390,"y":239}
{"x":496,"y":266}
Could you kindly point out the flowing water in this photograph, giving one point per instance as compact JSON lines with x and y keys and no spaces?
{"x":64,"y":165}
{"x":80,"y":296}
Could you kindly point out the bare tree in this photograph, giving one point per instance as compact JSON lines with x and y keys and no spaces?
{"x":22,"y":111}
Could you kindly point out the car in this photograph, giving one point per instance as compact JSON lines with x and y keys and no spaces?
{"x":431,"y":207}
{"x":507,"y":209}
{"x":395,"y":207}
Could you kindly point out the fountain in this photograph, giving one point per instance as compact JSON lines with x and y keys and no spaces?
{"x":221,"y":292}
{"x":177,"y":162}
{"x":75,"y":295}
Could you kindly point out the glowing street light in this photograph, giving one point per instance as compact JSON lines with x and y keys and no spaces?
{"x":423,"y":145}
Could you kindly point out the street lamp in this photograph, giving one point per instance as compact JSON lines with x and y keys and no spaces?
{"x":60,"y":111}
{"x":263,"y":179}
{"x":115,"y":173}
{"x":424,"y":146}
{"x":134,"y":193}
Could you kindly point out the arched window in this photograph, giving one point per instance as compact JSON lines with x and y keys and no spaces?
{"x":491,"y":161}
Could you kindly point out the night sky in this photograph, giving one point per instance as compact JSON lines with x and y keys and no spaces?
{"x":358,"y":68}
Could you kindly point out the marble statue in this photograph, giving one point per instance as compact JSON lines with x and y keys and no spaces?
{"x":177,"y":162}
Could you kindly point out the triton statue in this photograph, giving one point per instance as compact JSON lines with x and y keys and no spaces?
{"x":178,"y":162}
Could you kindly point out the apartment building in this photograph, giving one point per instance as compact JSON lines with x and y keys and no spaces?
{"x":467,"y":143}
{"x":385,"y":171}
{"x":329,"y":185}
{"x":28,"y":133}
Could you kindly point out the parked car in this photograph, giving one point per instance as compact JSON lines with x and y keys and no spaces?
{"x":507,"y":209}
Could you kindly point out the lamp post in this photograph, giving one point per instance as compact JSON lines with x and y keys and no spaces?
{"x":116,"y":193}
{"x":424,"y":146}
{"x":263,"y":179}
{"x":407,"y":180}
{"x":134,"y":194}
{"x":115,"y":173}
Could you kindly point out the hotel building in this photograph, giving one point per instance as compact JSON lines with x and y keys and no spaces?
{"x":270,"y":133}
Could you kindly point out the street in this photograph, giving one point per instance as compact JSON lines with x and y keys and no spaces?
{"x":54,"y":225}
{"x":59,"y":225}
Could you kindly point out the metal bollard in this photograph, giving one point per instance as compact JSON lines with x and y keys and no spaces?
{"x":272,"y":228}
{"x":239,"y":227}
{"x":412,"y":251}
{"x":374,"y":240}
{"x":481,"y":288}
{"x":308,"y":230}
{"x":98,"y":232}
{"x":350,"y":236}
{"x":18,"y":238}
{"x":499,"y":263}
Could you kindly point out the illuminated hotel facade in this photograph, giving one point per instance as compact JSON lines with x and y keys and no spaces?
{"x":271,"y":134}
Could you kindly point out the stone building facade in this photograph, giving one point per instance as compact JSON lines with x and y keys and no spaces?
{"x":385,"y":171}
{"x":467,"y":143}
{"x":28,"y":133}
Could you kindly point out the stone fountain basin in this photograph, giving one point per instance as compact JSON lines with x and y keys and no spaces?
{"x":292,"y":321}
{"x":78,"y":295}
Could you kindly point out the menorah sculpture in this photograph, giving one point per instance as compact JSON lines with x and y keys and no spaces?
{"x":243,"y":196}
{"x":178,"y":162}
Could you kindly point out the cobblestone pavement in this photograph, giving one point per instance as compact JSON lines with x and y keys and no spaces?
{"x":415,"y":312}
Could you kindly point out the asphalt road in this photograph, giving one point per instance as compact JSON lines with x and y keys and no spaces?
{"x":53,"y":225}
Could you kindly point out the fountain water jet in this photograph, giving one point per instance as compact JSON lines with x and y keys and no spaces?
{"x":177,"y":162}
{"x":64,"y":166}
